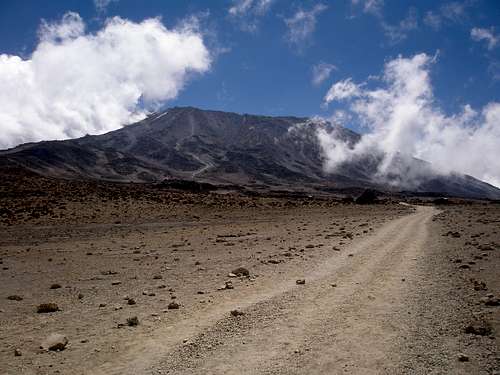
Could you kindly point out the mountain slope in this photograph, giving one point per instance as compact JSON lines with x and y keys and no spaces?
{"x":222,"y":148}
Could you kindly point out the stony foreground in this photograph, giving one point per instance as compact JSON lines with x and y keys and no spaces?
{"x":157,"y":283}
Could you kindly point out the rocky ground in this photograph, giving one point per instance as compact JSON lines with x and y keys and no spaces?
{"x":148,"y":281}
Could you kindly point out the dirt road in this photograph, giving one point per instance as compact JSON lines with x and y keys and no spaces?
{"x":389,"y":289}
{"x":348,"y":317}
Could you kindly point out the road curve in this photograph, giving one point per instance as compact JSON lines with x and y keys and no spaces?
{"x":347,"y":318}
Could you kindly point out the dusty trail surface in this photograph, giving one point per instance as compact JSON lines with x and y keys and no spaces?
{"x":389,"y":288}
{"x":346,"y":318}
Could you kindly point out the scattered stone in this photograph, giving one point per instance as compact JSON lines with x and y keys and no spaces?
{"x":54,"y":342}
{"x":47,"y":308}
{"x":102,"y":305}
{"x":80,"y":296}
{"x":133,"y":321}
{"x":480,"y":328}
{"x":15,"y":297}
{"x":463,"y":358}
{"x":173,"y":305}
{"x":157,"y":277}
{"x":464,"y":267}
{"x":491,"y":300}
{"x":227,"y":285}
{"x":109,"y":272}
{"x":131,"y":301}
{"x":479,"y":285}
{"x":230,"y":274}
{"x":237,"y":312}
{"x":300,"y":281}
{"x":116,"y":282}
{"x":18,"y":353}
{"x":55,"y":286}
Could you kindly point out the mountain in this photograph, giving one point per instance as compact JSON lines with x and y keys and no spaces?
{"x":223,"y":148}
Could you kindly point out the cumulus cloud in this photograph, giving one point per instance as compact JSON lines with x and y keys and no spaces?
{"x":321,"y":72}
{"x":488,"y":35}
{"x":403,"y":121}
{"x":302,"y":24}
{"x":248,"y":12}
{"x":76,"y":82}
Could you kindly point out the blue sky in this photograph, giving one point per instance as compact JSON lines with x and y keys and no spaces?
{"x":262,"y":71}
{"x":420,"y":78}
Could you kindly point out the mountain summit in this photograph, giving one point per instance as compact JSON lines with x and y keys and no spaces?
{"x":221,"y":148}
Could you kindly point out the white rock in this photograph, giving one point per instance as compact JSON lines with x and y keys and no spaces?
{"x":55,"y":342}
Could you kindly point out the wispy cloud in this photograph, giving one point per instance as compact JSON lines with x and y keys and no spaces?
{"x":403,"y":121}
{"x":397,"y":33}
{"x":248,"y":12}
{"x":455,"y":11}
{"x":433,"y":20}
{"x":342,"y":90}
{"x":76,"y":82}
{"x":302,"y":24}
{"x":494,"y":70}
{"x":370,"y":6}
{"x":394,"y":32}
{"x":488,"y":35}
{"x":451,"y":12}
{"x":321,"y":72}
{"x":102,"y":5}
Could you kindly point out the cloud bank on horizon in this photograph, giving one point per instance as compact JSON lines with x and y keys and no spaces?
{"x":403,"y":120}
{"x":76,"y":83}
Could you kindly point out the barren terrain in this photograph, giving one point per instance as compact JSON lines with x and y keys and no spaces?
{"x":387,"y":288}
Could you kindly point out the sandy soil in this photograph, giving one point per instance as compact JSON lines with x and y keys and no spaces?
{"x":389,"y":288}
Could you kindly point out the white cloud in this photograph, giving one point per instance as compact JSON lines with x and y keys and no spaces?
{"x":342,"y":90}
{"x":451,"y":12}
{"x":397,"y":33}
{"x":455,"y":11}
{"x":494,"y":69}
{"x":248,"y":12}
{"x":241,"y":7}
{"x":394,"y":32}
{"x":302,"y":25}
{"x":321,"y":72}
{"x":488,"y":35}
{"x":102,"y":5}
{"x":403,"y":121}
{"x":76,"y":83}
{"x":370,"y":6}
{"x":433,"y":20}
